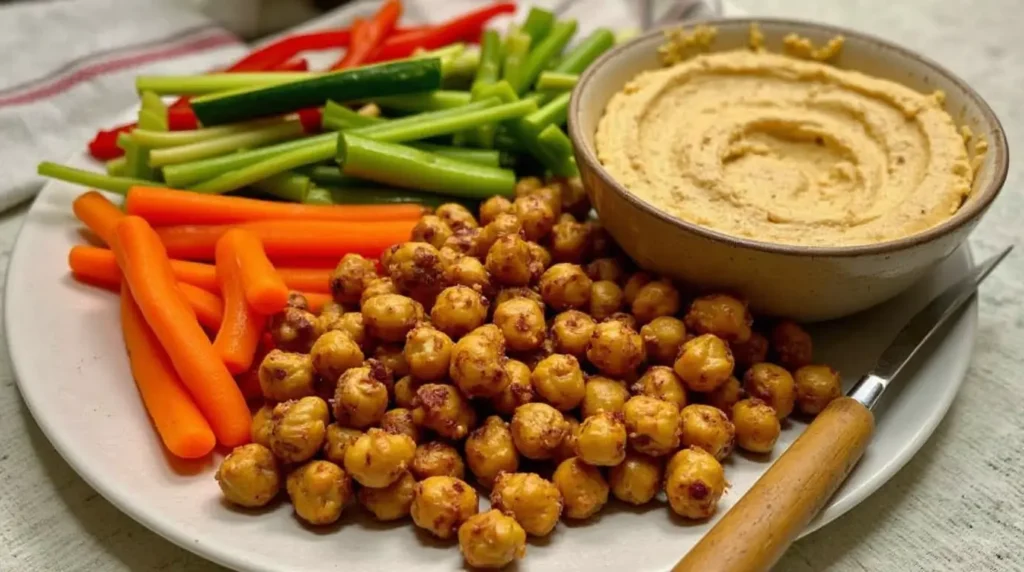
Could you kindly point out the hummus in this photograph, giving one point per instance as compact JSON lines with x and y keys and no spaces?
{"x":785,"y":150}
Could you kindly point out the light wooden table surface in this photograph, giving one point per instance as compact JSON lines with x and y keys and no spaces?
{"x":958,"y":506}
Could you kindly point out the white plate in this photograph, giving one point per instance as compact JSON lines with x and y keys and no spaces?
{"x":67,"y":352}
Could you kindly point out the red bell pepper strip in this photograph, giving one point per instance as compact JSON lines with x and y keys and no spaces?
{"x":369,"y":34}
{"x":311,"y":119}
{"x":467,"y":26}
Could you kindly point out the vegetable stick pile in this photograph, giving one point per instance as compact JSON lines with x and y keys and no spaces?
{"x":406,"y":115}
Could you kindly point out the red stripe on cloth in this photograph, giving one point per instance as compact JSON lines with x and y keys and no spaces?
{"x":87,"y":72}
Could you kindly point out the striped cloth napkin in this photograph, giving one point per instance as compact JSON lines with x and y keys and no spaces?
{"x":54,"y":95}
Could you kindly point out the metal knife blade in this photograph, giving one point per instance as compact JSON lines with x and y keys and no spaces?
{"x":918,"y":330}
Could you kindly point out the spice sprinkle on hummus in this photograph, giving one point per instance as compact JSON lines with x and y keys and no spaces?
{"x":786,"y":150}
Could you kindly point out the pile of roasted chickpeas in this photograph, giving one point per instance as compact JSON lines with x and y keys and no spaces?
{"x":521,"y":348}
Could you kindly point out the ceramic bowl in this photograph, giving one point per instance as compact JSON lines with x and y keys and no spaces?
{"x":804,"y":283}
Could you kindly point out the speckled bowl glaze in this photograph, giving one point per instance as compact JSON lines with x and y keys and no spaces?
{"x":804,"y":283}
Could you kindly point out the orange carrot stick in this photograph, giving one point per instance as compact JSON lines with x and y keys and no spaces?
{"x":163,"y":207}
{"x":180,"y":424}
{"x":98,"y":263}
{"x":239,"y":333}
{"x":283,"y":240}
{"x":209,"y":308}
{"x":265,"y":291}
{"x":147,"y":270}
{"x":98,"y":214}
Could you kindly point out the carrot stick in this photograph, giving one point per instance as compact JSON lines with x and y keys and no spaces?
{"x":240,"y":330}
{"x":98,"y":214}
{"x":264,"y":289}
{"x":316,"y":301}
{"x":209,"y":308}
{"x":180,"y":424}
{"x":98,"y":264}
{"x":147,"y":270}
{"x":162,"y":207}
{"x":283,"y":239}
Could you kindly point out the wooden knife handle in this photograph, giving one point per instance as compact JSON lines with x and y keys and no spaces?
{"x":760,"y":527}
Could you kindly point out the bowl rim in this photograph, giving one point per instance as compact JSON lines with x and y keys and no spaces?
{"x":998,"y":147}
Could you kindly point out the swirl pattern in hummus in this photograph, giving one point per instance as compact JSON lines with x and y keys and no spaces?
{"x":782,"y":150}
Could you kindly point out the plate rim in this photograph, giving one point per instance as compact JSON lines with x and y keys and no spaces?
{"x":236,"y":560}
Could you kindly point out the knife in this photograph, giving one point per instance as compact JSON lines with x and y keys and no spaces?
{"x":755,"y":533}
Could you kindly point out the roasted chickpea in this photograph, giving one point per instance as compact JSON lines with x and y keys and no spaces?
{"x":726,"y":395}
{"x":754,"y":350}
{"x":527,"y":185}
{"x":518,"y":391}
{"x":478,"y":363}
{"x":757,"y":426}
{"x":336,"y":440}
{"x":521,"y":321}
{"x":350,"y":323}
{"x":435,"y":459}
{"x":334,"y":353}
{"x":297,"y":300}
{"x":571,"y":331}
{"x":704,"y":363}
{"x":601,"y":243}
{"x":393,"y":358}
{"x":569,"y":240}
{"x":331,"y":309}
{"x":361,"y":397}
{"x":511,"y":262}
{"x":602,"y":439}
{"x":773,"y":385}
{"x":654,"y":300}
{"x":391,"y":502}
{"x":792,"y":345}
{"x":444,"y":410}
{"x":458,"y":310}
{"x":663,"y":336}
{"x":428,"y":352}
{"x":567,"y":448}
{"x":605,"y":299}
{"x":405,"y":391}
{"x":583,"y":488}
{"x":457,"y":216}
{"x":636,"y":480}
{"x":558,"y":380}
{"x":722,"y":315}
{"x":610,"y":269}
{"x":468,"y":271}
{"x":502,"y":225}
{"x":603,"y":395}
{"x":319,"y":491}
{"x":262,"y":425}
{"x":378,"y":458}
{"x":653,"y":425}
{"x":249,"y":476}
{"x":533,"y":501}
{"x":694,"y":483}
{"x":490,"y":451}
{"x":565,"y":286}
{"x":538,"y":430}
{"x":432,"y":230}
{"x":376,"y":287}
{"x":441,"y":504}
{"x":492,"y":207}
{"x":662,"y":383}
{"x":634,"y":283}
{"x":531,"y":359}
{"x":416,"y":269}
{"x":399,"y":421}
{"x":293,"y":330}
{"x":574,"y":195}
{"x":285,"y":375}
{"x":389,"y":317}
{"x":708,"y":428}
{"x":615,"y":348}
{"x":350,"y":277}
{"x":539,"y":256}
{"x":536,"y":214}
{"x":298,"y":428}
{"x":466,"y":241}
{"x":624,"y":318}
{"x":816,"y":387}
{"x":491,"y":540}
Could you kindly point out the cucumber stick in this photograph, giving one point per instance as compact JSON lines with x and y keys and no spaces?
{"x":356,"y":84}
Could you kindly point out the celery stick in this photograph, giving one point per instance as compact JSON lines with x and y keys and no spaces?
{"x":117,"y":167}
{"x":553,"y":113}
{"x":556,"y":81}
{"x":226,"y":144}
{"x":341,"y":115}
{"x":517,"y":49}
{"x":551,"y":46}
{"x":184,"y":175}
{"x":425,"y":101}
{"x":91,"y":179}
{"x":286,"y":186}
{"x":161,"y":139}
{"x":233,"y":180}
{"x":399,"y":131}
{"x":215,"y":82}
{"x":538,"y":24}
{"x":579,"y":58}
